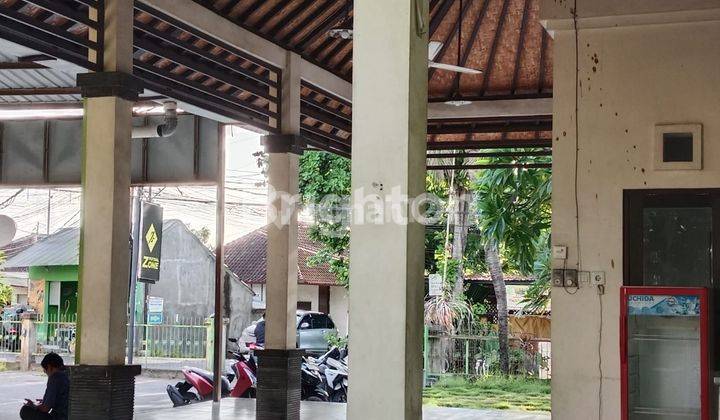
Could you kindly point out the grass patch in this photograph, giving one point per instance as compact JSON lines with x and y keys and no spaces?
{"x":497,"y":392}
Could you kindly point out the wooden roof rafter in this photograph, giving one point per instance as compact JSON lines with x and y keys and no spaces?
{"x":241,"y":86}
{"x":58,"y":29}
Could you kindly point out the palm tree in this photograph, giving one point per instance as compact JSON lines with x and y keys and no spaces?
{"x":513,"y":213}
{"x":457,"y":182}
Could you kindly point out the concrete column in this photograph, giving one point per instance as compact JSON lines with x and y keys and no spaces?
{"x":105,"y":228}
{"x":387,"y":250}
{"x":281,"y":282}
{"x":279,"y":365}
{"x":28,"y":341}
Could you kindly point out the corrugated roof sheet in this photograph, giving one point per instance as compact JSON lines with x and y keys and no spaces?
{"x":60,"y":248}
{"x":63,"y":248}
{"x":58,"y":75}
{"x":247,"y":258}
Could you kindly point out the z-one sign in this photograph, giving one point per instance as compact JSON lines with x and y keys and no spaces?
{"x":151,"y":224}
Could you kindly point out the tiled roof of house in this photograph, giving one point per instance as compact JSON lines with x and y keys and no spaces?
{"x":60,"y":248}
{"x":18,"y":245}
{"x":246,"y":257}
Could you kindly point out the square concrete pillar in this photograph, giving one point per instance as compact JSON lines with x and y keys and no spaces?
{"x":386,"y":245}
{"x":278,"y":395}
{"x":101,"y":385}
{"x":28,"y":340}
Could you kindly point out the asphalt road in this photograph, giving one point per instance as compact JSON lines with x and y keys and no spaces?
{"x":16,"y":386}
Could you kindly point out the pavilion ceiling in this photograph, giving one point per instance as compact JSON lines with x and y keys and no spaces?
{"x":501,"y":37}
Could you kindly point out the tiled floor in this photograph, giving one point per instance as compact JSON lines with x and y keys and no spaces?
{"x":242,"y":409}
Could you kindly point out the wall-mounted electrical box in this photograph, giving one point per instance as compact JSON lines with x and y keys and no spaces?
{"x":559,"y":252}
{"x":565,"y":278}
{"x":597,"y":278}
{"x":678,"y":146}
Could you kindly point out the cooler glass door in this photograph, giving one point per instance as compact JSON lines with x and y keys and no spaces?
{"x":664,"y":360}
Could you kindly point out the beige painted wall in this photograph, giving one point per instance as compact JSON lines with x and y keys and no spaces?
{"x":632,"y":78}
{"x":308,"y":293}
{"x":559,"y":9}
{"x":339,"y":309}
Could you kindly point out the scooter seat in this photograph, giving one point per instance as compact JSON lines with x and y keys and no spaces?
{"x":208,"y":376}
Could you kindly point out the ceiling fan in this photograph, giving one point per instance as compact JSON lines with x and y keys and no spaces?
{"x":434,"y":49}
{"x":344,"y":30}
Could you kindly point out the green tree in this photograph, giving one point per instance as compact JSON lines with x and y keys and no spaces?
{"x":446,"y":242}
{"x":5,"y":295}
{"x":203,"y":234}
{"x":513,"y":214}
{"x":325,"y":188}
{"x":6,"y":291}
{"x":537,"y":297}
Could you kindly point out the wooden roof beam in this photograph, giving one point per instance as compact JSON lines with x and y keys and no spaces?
{"x":491,"y":109}
{"x":205,"y":20}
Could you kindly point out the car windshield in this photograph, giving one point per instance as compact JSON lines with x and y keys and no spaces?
{"x":316,"y":321}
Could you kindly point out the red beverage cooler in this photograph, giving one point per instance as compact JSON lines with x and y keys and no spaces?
{"x":664,"y":353}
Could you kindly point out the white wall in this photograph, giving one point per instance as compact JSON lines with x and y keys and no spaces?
{"x":339,"y":308}
{"x":632,"y":78}
{"x":238,"y":306}
{"x":308,"y":293}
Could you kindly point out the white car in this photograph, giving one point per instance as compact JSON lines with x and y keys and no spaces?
{"x":312,"y":328}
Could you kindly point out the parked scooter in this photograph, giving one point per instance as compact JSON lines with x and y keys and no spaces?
{"x":312,"y":384}
{"x":333,"y":368}
{"x":202,"y":381}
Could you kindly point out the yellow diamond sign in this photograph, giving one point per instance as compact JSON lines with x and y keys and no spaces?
{"x":151,"y":237}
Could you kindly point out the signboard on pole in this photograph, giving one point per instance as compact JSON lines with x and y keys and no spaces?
{"x":155,"y":306}
{"x":155,"y":318}
{"x":151,"y":224}
{"x":435,"y":285}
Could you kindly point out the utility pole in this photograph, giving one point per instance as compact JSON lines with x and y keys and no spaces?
{"x":134,"y":255}
{"x":47,"y":229}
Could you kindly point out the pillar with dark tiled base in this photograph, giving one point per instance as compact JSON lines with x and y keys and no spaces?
{"x":278,"y":388}
{"x":102,"y":392}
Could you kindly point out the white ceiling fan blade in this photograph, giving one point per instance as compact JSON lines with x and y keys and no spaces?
{"x":450,"y":67}
{"x":434,"y":49}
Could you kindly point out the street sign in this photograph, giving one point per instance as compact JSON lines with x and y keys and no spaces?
{"x":151,"y":225}
{"x":155,"y":304}
{"x":155,"y":318}
{"x":435,"y":285}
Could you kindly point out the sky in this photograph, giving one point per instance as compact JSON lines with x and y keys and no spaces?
{"x":245,"y":196}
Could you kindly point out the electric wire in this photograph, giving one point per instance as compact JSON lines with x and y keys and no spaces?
{"x":600,"y":289}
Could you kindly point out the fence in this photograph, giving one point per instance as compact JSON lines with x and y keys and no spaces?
{"x":471,"y":354}
{"x":56,"y":332}
{"x":10,"y":331}
{"x":182,"y":339}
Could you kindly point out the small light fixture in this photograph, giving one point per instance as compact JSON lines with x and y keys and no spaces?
{"x":344,"y":30}
{"x":342,"y":33}
{"x":458,"y":102}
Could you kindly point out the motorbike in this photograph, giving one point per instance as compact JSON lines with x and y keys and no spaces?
{"x":332,"y":366}
{"x":202,"y":381}
{"x":312,"y":383}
